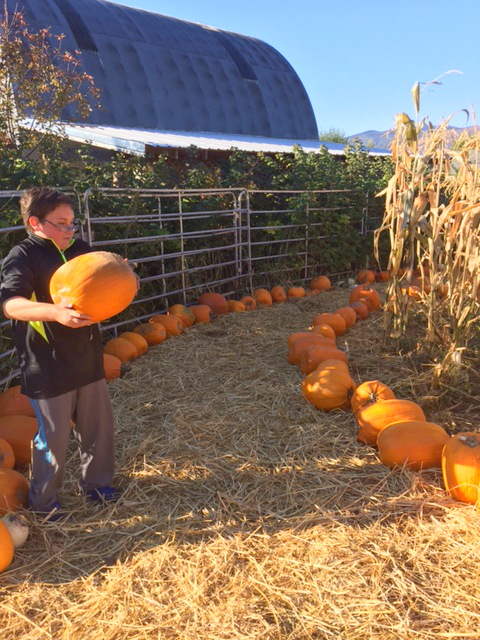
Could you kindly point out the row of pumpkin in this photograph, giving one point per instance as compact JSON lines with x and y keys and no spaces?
{"x":397,"y":427}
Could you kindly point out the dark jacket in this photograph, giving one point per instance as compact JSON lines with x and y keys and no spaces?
{"x":53,"y":359}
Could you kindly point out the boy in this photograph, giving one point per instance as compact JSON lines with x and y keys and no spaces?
{"x":60,"y":355}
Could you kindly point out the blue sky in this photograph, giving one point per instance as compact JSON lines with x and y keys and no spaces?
{"x":358,"y":59}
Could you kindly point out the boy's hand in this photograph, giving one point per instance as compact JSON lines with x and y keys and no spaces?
{"x":70,"y":318}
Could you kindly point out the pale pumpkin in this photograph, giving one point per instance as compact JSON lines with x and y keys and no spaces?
{"x":99,"y":284}
{"x":153,"y":332}
{"x":374,"y":417}
{"x":137,"y":340}
{"x":370,"y":392}
{"x":461,"y":467}
{"x":13,"y":402}
{"x":328,"y":389}
{"x":19,"y":432}
{"x":121,"y":348}
{"x":415,"y":444}
{"x":215,"y":301}
{"x":13,"y":490}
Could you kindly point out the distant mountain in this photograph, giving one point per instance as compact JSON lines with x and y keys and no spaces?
{"x":383,"y":139}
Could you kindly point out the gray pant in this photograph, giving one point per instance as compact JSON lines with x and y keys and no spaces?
{"x":91,"y":410}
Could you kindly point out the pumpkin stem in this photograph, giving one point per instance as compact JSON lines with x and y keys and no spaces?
{"x":469,"y":441}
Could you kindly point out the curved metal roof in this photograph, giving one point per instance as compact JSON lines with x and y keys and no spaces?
{"x":157,"y":72}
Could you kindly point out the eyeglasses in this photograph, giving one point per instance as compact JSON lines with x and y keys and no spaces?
{"x":64,"y":228}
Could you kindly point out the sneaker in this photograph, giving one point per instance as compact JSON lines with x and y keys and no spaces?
{"x":54,"y":514}
{"x":103,"y":494}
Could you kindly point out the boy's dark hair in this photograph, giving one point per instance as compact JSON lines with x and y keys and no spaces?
{"x":40,"y":201}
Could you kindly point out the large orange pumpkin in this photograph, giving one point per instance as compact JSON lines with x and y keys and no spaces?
{"x":6,"y":547}
{"x":369,"y":392}
{"x":249,"y":302}
{"x":328,"y":389}
{"x":365,"y":275}
{"x":317,"y":354}
{"x":215,"y":301}
{"x":461,"y":467}
{"x":325,"y":330}
{"x":263,"y":297}
{"x":202,"y":313}
{"x":235,"y":306}
{"x":278,"y":294}
{"x":360,"y":309}
{"x":19,"y":432}
{"x":184,"y":313}
{"x":153,"y":332}
{"x":300,"y":345}
{"x":121,"y":348}
{"x":13,"y":402}
{"x":337,"y":323}
{"x":367,"y":293}
{"x":137,"y":340}
{"x":322,"y":283}
{"x":309,"y":334}
{"x":13,"y":490}
{"x":296,"y":292}
{"x":372,"y":418}
{"x":99,"y":284}
{"x":349,"y":315}
{"x":172,"y":324}
{"x":415,"y":444}
{"x":112,"y":367}
{"x":7,"y":456}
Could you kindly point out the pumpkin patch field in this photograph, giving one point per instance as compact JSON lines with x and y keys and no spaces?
{"x":247,"y":512}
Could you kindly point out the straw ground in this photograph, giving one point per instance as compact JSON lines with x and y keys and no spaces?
{"x":249,"y":514}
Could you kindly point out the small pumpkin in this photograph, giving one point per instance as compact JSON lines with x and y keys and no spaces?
{"x":99,"y":284}
{"x":7,"y":456}
{"x":278,"y":294}
{"x":367,"y":293}
{"x":6,"y":546}
{"x":202,"y":312}
{"x":13,"y":402}
{"x":315,"y":355}
{"x":337,"y":323}
{"x":184,"y":313}
{"x":13,"y":490}
{"x":461,"y":467}
{"x":382,"y":276}
{"x":414,"y":444}
{"x":215,"y":301}
{"x":121,"y":348}
{"x":423,"y":284}
{"x":365,"y":275}
{"x":172,"y":324}
{"x":235,"y":306}
{"x":112,"y":367}
{"x":360,"y":309}
{"x":325,"y":330}
{"x":19,"y":432}
{"x":296,"y":292}
{"x":263,"y":297}
{"x":249,"y":302}
{"x":370,"y":392}
{"x":372,"y":418}
{"x":321,"y":283}
{"x":328,"y":389}
{"x":153,"y":332}
{"x":137,"y":340}
{"x":17,"y":526}
{"x":412,"y":292}
{"x":349,"y":315}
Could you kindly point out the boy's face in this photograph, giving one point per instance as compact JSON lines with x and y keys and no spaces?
{"x":49,"y":227}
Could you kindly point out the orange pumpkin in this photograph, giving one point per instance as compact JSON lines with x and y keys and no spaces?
{"x":99,"y":284}
{"x":296,"y":292}
{"x":300,"y":345}
{"x":365,"y":275}
{"x":368,"y":303}
{"x":415,"y":444}
{"x":13,"y":490}
{"x":7,"y":456}
{"x":112,"y":367}
{"x":263,"y":297}
{"x":328,"y":389}
{"x":202,"y":313}
{"x":137,"y":340}
{"x":367,"y":293}
{"x":249,"y":302}
{"x":215,"y":301}
{"x":334,"y":365}
{"x":19,"y":432}
{"x":121,"y":348}
{"x":337,"y":323}
{"x":315,"y":355}
{"x":325,"y":330}
{"x":172,"y":324}
{"x":370,"y":392}
{"x":321,"y":283}
{"x":422,"y":284}
{"x":7,"y":548}
{"x":360,"y":309}
{"x":442,"y":290}
{"x":318,"y":338}
{"x":278,"y":294}
{"x":413,"y":293}
{"x":348,"y":314}
{"x":461,"y":467}
{"x":382,"y":276}
{"x":13,"y":402}
{"x":372,"y":418}
{"x":153,"y":332}
{"x":184,"y":313}
{"x":235,"y":306}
